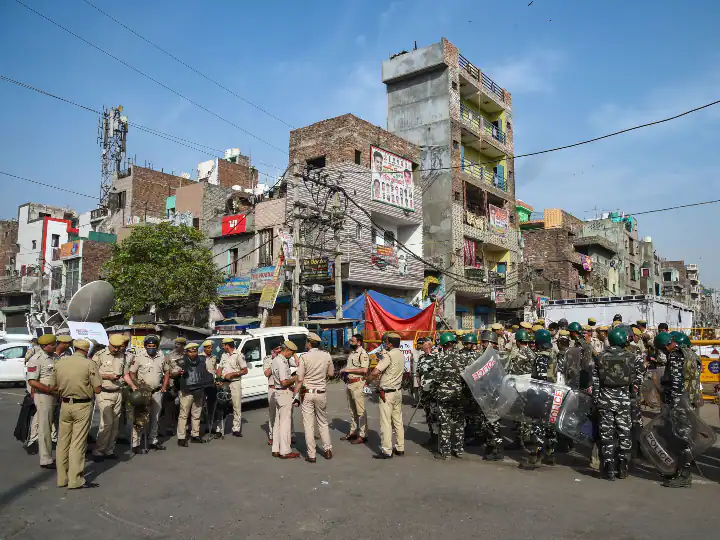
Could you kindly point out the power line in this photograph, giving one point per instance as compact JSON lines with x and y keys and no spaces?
{"x":50,"y":186}
{"x":672,"y":208}
{"x":151,"y":78}
{"x":188,"y":66}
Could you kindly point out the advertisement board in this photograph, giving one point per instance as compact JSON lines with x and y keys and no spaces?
{"x":233,"y":224}
{"x":315,"y":270}
{"x":384,"y":256}
{"x":88,"y":330}
{"x":498,"y":218}
{"x":260,"y":276}
{"x":392,"y":179}
{"x":71,"y":249}
{"x":235,"y":286}
{"x":269,"y":294}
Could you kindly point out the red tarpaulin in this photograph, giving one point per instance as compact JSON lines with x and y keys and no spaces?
{"x":377,"y":321}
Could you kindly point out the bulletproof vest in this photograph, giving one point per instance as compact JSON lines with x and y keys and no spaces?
{"x":691,"y":374}
{"x":195,"y":375}
{"x":614,"y":367}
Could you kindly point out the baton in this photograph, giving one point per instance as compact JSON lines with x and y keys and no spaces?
{"x":417,"y":406}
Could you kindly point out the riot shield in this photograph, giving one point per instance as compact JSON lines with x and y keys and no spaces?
{"x":575,"y":419}
{"x":668,"y":434}
{"x":573,"y":367}
{"x":526,"y":400}
{"x":484,"y":378}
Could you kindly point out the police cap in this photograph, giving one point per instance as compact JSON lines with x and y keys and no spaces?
{"x":190,"y":346}
{"x":117,"y":340}
{"x":496,"y":326}
{"x":228,"y":341}
{"x":64,"y":339}
{"x":207,"y":342}
{"x":313,"y":337}
{"x":526,"y":325}
{"x":82,"y":344}
{"x":290,"y":345}
{"x":47,"y":339}
{"x":180,"y":340}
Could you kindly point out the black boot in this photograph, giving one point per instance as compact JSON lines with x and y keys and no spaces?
{"x":549,"y":459}
{"x":495,"y":455}
{"x":622,"y":469}
{"x":608,"y":470}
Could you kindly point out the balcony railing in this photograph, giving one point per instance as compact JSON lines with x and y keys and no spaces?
{"x":492,"y":88}
{"x":486,"y":175}
{"x":468,"y":67}
{"x":496,"y":278}
{"x":480,"y":124}
{"x":98,"y":213}
{"x":488,"y":84}
{"x":536,"y":216}
{"x":692,"y":267}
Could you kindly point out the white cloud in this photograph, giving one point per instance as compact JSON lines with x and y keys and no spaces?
{"x":533,"y":72}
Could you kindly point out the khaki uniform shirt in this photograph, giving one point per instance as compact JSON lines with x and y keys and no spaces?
{"x":280,"y":370}
{"x":314,"y":369}
{"x":109,"y":364}
{"x":41,"y":368}
{"x":235,"y":361}
{"x":501,"y":342}
{"x":267,"y":364}
{"x":77,"y":377}
{"x":509,"y":341}
{"x":392,"y":367}
{"x":172,"y":360}
{"x":597,"y":345}
{"x":210,"y":362}
{"x":32,"y":351}
{"x":358,"y":359}
{"x":150,"y":370}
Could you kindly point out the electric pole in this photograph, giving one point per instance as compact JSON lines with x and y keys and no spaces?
{"x":296,"y":270}
{"x":337,"y":224}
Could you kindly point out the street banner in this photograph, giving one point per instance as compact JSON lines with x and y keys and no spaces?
{"x":392,"y":179}
{"x":498,"y":219}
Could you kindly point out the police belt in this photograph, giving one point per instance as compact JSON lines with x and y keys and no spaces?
{"x":76,"y":400}
{"x":112,"y":391}
{"x":357,"y":379}
{"x":388,"y":390}
{"x":314,"y":391}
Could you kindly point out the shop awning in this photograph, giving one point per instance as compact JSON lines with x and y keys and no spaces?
{"x":355,"y":309}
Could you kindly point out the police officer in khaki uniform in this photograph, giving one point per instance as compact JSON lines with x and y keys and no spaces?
{"x":62,"y":349}
{"x":111,"y":367}
{"x":232,"y":367}
{"x":390,"y":370}
{"x":41,"y":385}
{"x":283,"y":382}
{"x":78,"y":382}
{"x":32,"y":351}
{"x":356,"y":370}
{"x":314,"y":369}
{"x":150,"y":367}
{"x":500,"y":331}
{"x":272,"y":403}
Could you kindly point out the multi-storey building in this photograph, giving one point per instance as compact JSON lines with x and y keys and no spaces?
{"x":462,"y":121}
{"x":681,"y":282}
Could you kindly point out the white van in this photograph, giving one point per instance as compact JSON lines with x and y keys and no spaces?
{"x":255,"y":345}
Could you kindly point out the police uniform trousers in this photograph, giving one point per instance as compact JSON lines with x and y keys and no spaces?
{"x":45,"y":412}
{"x":356,"y":407}
{"x":281,"y":429}
{"x":33,"y":437}
{"x":615,"y":424}
{"x":109,"y":405}
{"x":314,"y":409}
{"x":191,"y":403}
{"x":493,"y":439}
{"x":72,"y":443}
{"x":544,"y":437}
{"x":391,"y":421}
{"x":272,"y":411}
{"x":155,"y":407}
{"x":451,"y":417}
{"x":169,"y":408}
{"x":236,"y":395}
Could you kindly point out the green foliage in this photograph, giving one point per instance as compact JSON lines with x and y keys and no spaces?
{"x":164,"y":265}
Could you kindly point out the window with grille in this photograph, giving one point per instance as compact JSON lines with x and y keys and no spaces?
{"x":56,"y":278}
{"x":72,"y":277}
{"x":266,"y":248}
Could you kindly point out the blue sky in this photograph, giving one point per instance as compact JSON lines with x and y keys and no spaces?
{"x":576,"y":70}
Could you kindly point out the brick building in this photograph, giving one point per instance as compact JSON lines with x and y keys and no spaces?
{"x":8,"y":246}
{"x":82,"y":261}
{"x":462,"y":120}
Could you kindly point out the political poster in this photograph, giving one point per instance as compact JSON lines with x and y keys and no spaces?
{"x":392,"y":179}
{"x":498,"y":218}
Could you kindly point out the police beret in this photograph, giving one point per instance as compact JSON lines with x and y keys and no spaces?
{"x":64,"y":339}
{"x":526,"y":325}
{"x":117,"y":340}
{"x":228,"y":341}
{"x":180,"y":340}
{"x":603,"y":328}
{"x":591,"y":320}
{"x":637,"y":332}
{"x":587,"y":328}
{"x":82,"y":344}
{"x":191,"y":346}
{"x":207,"y":342}
{"x":312,"y":336}
{"x":496,"y":326}
{"x":536,"y":328}
{"x":564,"y":334}
{"x":290,"y":345}
{"x":47,"y":339}
{"x":392,"y":335}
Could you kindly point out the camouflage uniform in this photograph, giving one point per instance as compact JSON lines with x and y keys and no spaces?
{"x":426,"y":371}
{"x":544,"y":436}
{"x":450,"y":387}
{"x":614,"y":377}
{"x":636,"y":397}
{"x":520,"y":362}
{"x":475,"y":420}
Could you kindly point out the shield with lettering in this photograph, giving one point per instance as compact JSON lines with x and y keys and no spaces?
{"x":484,"y":378}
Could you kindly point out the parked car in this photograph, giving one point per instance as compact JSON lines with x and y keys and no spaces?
{"x":12,"y":362}
{"x":255,"y":345}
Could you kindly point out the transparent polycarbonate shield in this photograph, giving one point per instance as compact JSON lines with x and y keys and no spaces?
{"x":527,"y":400}
{"x":484,"y":378}
{"x":668,"y":434}
{"x":575,"y":419}
{"x":573,"y":367}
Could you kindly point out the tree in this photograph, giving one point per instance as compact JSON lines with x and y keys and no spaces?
{"x":165,"y":266}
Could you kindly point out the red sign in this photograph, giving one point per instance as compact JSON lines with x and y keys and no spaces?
{"x":233,"y":224}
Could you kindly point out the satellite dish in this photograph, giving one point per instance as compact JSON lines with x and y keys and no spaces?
{"x":92,"y":302}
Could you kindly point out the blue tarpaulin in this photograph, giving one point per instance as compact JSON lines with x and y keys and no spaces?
{"x":355,"y":308}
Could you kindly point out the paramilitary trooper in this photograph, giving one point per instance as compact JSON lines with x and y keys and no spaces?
{"x":450,"y":391}
{"x":544,"y":437}
{"x":615,"y":376}
{"x":679,"y":379}
{"x":426,"y":370}
{"x":520,"y":362}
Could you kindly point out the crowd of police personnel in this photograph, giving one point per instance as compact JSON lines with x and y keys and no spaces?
{"x":130,"y":388}
{"x":620,"y":366}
